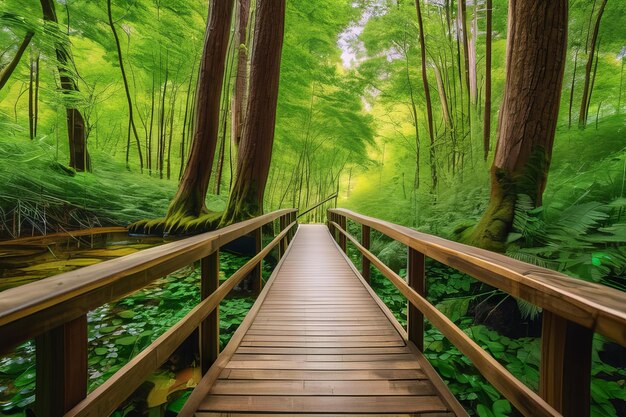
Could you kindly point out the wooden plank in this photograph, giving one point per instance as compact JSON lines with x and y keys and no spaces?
{"x":320,"y":358}
{"x":595,"y":306}
{"x":230,"y":414}
{"x":328,"y":404}
{"x":565,"y":374}
{"x":322,"y":351}
{"x":210,"y":327}
{"x":338,"y":387}
{"x":312,"y":375}
{"x":323,"y":365}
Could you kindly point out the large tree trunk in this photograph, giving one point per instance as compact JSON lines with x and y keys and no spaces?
{"x":429,"y":107}
{"x":189,"y":202}
{"x":7,"y":71}
{"x":131,"y":119}
{"x":584,"y":102}
{"x":536,"y":50}
{"x":241,"y":80}
{"x":255,"y":152}
{"x":487,"y":119}
{"x":79,"y":157}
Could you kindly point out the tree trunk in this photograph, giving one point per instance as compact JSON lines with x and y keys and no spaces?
{"x":429,"y":107}
{"x":189,"y":202}
{"x":473,"y":78}
{"x":36,"y":112}
{"x":131,"y":119}
{"x":241,"y":80}
{"x":571,"y":90}
{"x":487,"y":119}
{"x":7,"y":71}
{"x":255,"y":152}
{"x":31,"y":97}
{"x":79,"y":157}
{"x":621,"y":85}
{"x":536,"y":52}
{"x":462,"y":17}
{"x":593,"y":77}
{"x":584,"y":102}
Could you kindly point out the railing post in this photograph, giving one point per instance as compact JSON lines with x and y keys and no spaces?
{"x":416,"y":273}
{"x":256,"y":276}
{"x":342,"y":237}
{"x":282,"y":245}
{"x":365,"y":262}
{"x":294,"y":218}
{"x":565,"y":376}
{"x":210,"y":327}
{"x":61,"y":367}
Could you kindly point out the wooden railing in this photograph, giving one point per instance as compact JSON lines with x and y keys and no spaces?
{"x":572,"y":310}
{"x":54,"y":312}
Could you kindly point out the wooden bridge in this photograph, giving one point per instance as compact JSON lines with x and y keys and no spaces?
{"x":318,"y":341}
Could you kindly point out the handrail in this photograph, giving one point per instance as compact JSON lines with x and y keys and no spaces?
{"x":34,"y":308}
{"x":572,"y":310}
{"x":54,"y":311}
{"x":331,"y":197}
{"x":597,"y":307}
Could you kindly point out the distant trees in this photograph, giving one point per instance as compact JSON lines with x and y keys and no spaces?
{"x":429,"y":106}
{"x":131,"y":119}
{"x":79,"y":156}
{"x":591,"y":53}
{"x":528,"y":117}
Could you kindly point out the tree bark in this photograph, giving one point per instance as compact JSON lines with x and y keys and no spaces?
{"x":255,"y":152}
{"x":79,"y":156}
{"x":131,"y":119}
{"x":487,"y":119}
{"x":241,"y":80}
{"x":7,"y":71}
{"x":189,"y":202}
{"x":536,"y":51}
{"x":584,"y":102}
{"x":429,"y":107}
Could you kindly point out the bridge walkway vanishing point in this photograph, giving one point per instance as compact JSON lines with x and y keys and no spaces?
{"x":320,"y":341}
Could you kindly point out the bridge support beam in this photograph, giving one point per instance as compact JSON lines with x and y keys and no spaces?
{"x":416,"y":273}
{"x":210,"y":327}
{"x":565,"y":376}
{"x":61,"y":357}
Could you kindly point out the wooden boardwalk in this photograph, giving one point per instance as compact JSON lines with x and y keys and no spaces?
{"x":318,"y":341}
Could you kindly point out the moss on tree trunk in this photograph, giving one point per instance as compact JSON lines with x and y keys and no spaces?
{"x":536,"y":47}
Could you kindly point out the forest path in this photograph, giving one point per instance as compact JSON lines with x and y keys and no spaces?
{"x":319,"y":341}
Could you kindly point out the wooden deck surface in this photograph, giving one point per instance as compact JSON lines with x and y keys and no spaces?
{"x":318,"y":342}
